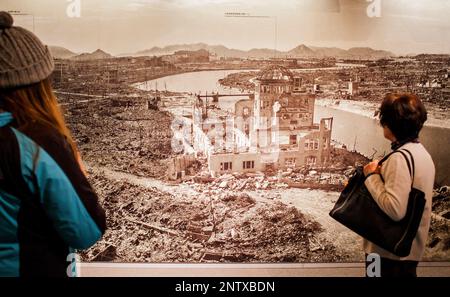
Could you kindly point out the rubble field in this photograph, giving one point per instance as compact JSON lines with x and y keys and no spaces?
{"x":221,"y":224}
{"x":122,"y":135}
{"x":438,"y":245}
{"x":146,"y":224}
{"x":149,"y":225}
{"x":328,"y":178}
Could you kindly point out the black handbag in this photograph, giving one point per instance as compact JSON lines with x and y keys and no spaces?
{"x":358,"y":211}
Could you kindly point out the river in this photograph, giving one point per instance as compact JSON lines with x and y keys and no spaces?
{"x":365,"y":135}
{"x":192,"y":82}
{"x":352,"y":129}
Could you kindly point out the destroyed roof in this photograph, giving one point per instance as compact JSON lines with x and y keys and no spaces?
{"x":275,"y":73}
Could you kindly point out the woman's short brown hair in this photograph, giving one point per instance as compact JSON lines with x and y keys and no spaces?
{"x":404,"y":114}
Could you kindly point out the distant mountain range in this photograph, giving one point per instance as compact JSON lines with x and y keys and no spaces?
{"x":301,"y":51}
{"x":63,"y":53}
{"x":95,"y":55}
{"x":59,"y":52}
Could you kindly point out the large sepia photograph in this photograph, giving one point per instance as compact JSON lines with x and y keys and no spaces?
{"x":221,"y":131}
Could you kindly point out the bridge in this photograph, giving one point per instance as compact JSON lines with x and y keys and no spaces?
{"x":217,"y":96}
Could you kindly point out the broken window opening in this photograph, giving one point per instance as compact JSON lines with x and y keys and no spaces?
{"x":289,"y":162}
{"x":292,"y":139}
{"x":224,"y":166}
{"x":311,"y":160}
{"x":248,"y":164}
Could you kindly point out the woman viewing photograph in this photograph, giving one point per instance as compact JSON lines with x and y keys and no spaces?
{"x":402,"y":117}
{"x":47,"y":206}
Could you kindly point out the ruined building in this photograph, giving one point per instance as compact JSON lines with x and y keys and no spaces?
{"x":271,"y":130}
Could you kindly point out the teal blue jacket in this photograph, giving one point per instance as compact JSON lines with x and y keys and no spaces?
{"x":47,"y":206}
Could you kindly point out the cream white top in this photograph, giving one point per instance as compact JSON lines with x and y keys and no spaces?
{"x":392,"y":195}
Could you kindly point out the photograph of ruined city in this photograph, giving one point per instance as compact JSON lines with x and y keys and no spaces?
{"x":224,"y":131}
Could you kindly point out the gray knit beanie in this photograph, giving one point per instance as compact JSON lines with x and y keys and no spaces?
{"x":24,"y":59}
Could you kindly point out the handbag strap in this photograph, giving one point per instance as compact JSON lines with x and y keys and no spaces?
{"x":410,"y":164}
{"x":386,"y":157}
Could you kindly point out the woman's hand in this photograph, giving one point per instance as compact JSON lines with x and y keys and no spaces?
{"x":372,"y":167}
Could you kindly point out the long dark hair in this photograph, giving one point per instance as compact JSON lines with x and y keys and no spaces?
{"x":36,"y":103}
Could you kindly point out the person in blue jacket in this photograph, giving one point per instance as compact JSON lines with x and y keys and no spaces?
{"x":48,"y":209}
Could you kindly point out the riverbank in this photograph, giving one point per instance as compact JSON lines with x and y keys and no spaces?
{"x":368,"y":141}
{"x":127,"y":148}
{"x":127,"y":145}
{"x":437,"y":116}
{"x":152,"y":221}
{"x":147,"y":84}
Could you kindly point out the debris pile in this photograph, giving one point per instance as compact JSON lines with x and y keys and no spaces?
{"x":148,"y":225}
{"x":331,"y":178}
{"x":237,"y":182}
{"x":438,"y":246}
{"x":259,"y":181}
{"x":247,"y":230}
{"x":132,"y":139}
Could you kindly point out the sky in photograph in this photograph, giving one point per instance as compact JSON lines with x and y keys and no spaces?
{"x":121,"y":26}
